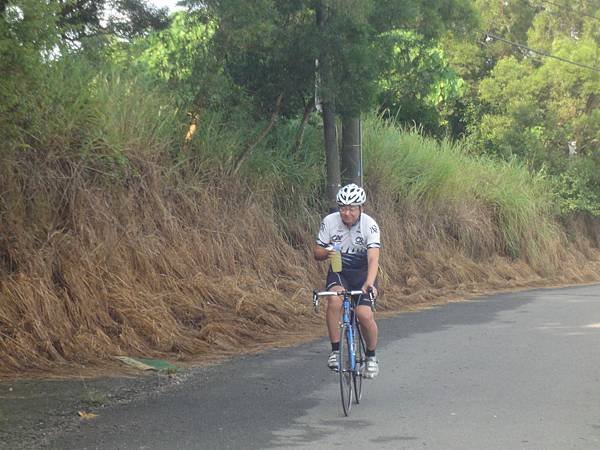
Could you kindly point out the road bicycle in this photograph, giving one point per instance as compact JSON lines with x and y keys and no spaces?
{"x":352,"y":357}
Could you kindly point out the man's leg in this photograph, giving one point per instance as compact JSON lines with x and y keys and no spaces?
{"x":368,"y":327}
{"x":334,"y":314}
{"x":333,"y":317}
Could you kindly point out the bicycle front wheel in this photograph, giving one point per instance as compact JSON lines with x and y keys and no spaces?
{"x":345,"y":369}
{"x":360,"y":351}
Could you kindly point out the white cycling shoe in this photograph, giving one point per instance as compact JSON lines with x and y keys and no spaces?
{"x":334,"y":361}
{"x":371,"y":367}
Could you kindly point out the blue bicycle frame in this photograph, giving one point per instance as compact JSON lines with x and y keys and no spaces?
{"x":351,"y":344}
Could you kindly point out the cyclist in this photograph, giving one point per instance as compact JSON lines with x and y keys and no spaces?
{"x":358,"y":235}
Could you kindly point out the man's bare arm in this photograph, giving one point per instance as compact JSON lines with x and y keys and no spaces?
{"x":320,"y":253}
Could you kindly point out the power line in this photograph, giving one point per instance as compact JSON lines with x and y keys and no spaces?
{"x":539,"y":52}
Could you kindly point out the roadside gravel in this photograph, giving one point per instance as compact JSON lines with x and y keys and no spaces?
{"x":32,"y":411}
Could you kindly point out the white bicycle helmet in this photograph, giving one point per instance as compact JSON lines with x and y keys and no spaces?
{"x":351,"y":195}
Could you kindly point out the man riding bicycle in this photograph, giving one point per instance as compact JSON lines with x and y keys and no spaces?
{"x":357,"y":234}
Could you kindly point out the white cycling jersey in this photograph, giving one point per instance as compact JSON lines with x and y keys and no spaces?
{"x":354,"y":240}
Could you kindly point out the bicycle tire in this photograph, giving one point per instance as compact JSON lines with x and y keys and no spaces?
{"x":360,"y":358}
{"x":345,"y":370}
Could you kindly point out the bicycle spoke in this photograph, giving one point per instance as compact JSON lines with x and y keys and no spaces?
{"x":359,"y":349}
{"x":345,"y":370}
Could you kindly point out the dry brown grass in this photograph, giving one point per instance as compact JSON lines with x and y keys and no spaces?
{"x":156,"y":264}
{"x":148,"y":266}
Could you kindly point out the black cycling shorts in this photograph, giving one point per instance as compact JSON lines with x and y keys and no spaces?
{"x":351,"y":280}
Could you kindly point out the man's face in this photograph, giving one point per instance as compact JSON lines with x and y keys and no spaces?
{"x":349,"y":214}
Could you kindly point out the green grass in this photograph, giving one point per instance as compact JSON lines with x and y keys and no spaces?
{"x":438,"y":176}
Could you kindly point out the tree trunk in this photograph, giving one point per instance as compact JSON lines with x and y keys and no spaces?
{"x":332,"y":155}
{"x":351,"y":151}
{"x":308,"y":110}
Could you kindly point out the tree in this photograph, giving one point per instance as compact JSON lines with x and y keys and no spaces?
{"x":83,"y":21}
{"x":35,"y":35}
{"x":356,"y":43}
{"x":545,"y":110}
{"x":419,"y":86}
{"x":179,"y":55}
{"x":267,"y":47}
{"x":28,"y":34}
{"x":270,"y":48}
{"x":555,"y":20}
{"x":533,"y":110}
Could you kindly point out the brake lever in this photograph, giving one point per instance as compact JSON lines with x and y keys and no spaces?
{"x":372,"y":298}
{"x":315,"y":301}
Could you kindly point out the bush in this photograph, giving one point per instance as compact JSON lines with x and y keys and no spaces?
{"x":578,"y":188}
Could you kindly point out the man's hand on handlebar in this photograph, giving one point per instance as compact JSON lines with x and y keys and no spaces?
{"x":368,"y":289}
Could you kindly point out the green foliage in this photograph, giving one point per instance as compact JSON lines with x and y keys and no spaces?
{"x":578,"y":188}
{"x":380,"y":49}
{"x":348,"y":56}
{"x":533,"y":111}
{"x":510,"y":20}
{"x":268,"y":50}
{"x":103,"y":118}
{"x":87,"y":23}
{"x":277,"y":158}
{"x":419,"y":86}
{"x":28,"y":35}
{"x":270,"y":47}
{"x":34,"y":38}
{"x":554,"y":21}
{"x":429,"y":19}
{"x":531,"y":107}
{"x":179,"y":55}
{"x":172,"y":54}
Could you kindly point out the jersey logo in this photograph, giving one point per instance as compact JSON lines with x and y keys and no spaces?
{"x":323,"y":226}
{"x":359,"y":241}
{"x":373,"y":229}
{"x":336,"y":238}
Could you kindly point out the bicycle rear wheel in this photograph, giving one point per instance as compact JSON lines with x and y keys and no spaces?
{"x":345,"y":369}
{"x":360,"y":351}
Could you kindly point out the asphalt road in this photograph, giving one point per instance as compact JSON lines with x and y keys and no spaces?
{"x":510,"y":371}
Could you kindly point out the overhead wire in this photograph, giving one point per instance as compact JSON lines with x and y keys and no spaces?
{"x":539,"y":52}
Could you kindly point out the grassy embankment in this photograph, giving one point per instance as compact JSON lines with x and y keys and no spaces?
{"x":116,"y":239}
